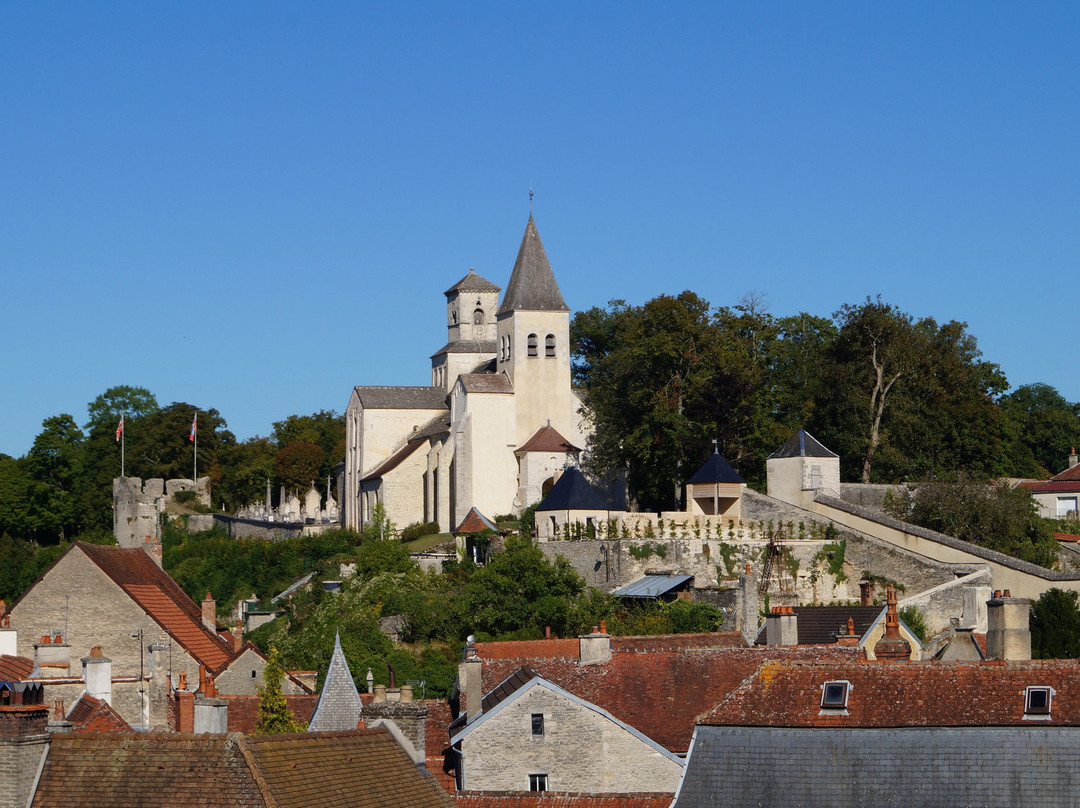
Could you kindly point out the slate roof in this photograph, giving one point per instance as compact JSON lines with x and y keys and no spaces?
{"x":716,"y":470}
{"x":901,"y":694}
{"x":547,"y":439}
{"x":90,"y":714}
{"x":473,"y":283}
{"x":572,"y":492}
{"x":362,"y":768}
{"x":373,"y":397}
{"x":532,"y":284}
{"x":819,"y":625}
{"x":658,"y":685}
{"x":14,"y":668}
{"x":802,"y":444}
{"x":476,"y":522}
{"x":161,"y":598}
{"x":486,"y":383}
{"x":557,"y":799}
{"x":339,"y":702}
{"x":652,"y":586}
{"x":467,"y":346}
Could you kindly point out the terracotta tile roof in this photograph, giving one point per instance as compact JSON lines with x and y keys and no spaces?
{"x":556,"y":799}
{"x":145,"y":769}
{"x":547,"y":439}
{"x":476,"y":522}
{"x":90,"y":714}
{"x":14,"y":668}
{"x":1069,"y":537}
{"x":658,"y":685}
{"x":361,"y":768}
{"x":160,"y":597}
{"x":905,"y":694}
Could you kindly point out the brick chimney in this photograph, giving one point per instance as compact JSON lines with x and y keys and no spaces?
{"x":847,"y":636}
{"x":237,"y":637}
{"x":866,"y":592}
{"x":209,"y":612}
{"x":892,"y":647}
{"x":1007,"y":632}
{"x":782,"y":626}
{"x":24,"y":741}
{"x":594,"y":648}
{"x":97,"y":674}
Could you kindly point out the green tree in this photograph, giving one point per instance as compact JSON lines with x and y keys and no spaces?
{"x":275,"y":718}
{"x":161,"y":446}
{"x":296,"y":465}
{"x":325,"y":429}
{"x":1042,"y":426}
{"x":54,"y":465}
{"x":245,"y":469}
{"x":1055,"y":625}
{"x":132,"y":402}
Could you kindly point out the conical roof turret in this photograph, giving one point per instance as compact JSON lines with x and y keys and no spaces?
{"x":532,"y":284}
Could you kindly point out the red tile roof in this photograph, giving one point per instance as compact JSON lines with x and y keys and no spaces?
{"x":904,"y":694}
{"x":556,"y":799}
{"x":243,"y":711}
{"x":1064,"y":482}
{"x":437,"y":742}
{"x":476,"y":522}
{"x":547,"y":439}
{"x":90,"y":714}
{"x":658,"y":685}
{"x":160,"y":597}
{"x":14,"y":668}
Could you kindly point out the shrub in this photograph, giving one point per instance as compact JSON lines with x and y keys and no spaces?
{"x":419,"y":530}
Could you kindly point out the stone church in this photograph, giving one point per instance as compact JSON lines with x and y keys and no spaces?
{"x":499,"y":421}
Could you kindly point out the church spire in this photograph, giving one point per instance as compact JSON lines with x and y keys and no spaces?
{"x":532,"y":284}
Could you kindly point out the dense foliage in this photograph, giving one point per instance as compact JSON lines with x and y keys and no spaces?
{"x":899,"y":398}
{"x":1055,"y":625}
{"x":993,"y":516}
{"x":275,"y":717}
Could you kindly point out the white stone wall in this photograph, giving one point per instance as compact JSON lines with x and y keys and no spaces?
{"x":485,"y":468}
{"x":581,"y":750}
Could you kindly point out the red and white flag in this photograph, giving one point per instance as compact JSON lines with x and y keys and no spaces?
{"x":120,"y":428}
{"x":194,"y":423}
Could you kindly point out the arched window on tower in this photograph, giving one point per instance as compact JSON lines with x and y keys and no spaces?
{"x":478,"y":317}
{"x":532,"y":344}
{"x":549,"y":345}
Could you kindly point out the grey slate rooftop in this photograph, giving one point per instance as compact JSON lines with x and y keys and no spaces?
{"x":716,"y":470}
{"x":532,"y":284}
{"x":802,"y":444}
{"x":473,"y":283}
{"x":467,"y":346}
{"x":401,"y":398}
{"x":572,"y":492}
{"x":339,"y":705}
{"x":652,"y":586}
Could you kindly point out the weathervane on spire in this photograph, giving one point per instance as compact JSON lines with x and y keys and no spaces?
{"x":530,"y":197}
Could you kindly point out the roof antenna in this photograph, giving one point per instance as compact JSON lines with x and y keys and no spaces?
{"x":715,"y":447}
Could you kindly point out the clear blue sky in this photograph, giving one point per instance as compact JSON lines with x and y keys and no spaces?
{"x":256,"y":206}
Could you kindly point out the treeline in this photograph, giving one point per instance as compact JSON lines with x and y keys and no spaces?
{"x":898,"y":398}
{"x":62,"y":487}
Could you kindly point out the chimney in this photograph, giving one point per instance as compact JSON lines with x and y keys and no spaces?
{"x":97,"y":674}
{"x":594,"y":648}
{"x":406,"y":694}
{"x":974,"y":616}
{"x":9,"y":637}
{"x":53,"y":655}
{"x":848,"y":638}
{"x":24,"y":742}
{"x":1007,"y":633}
{"x":237,"y":637}
{"x":1073,"y":459}
{"x":211,"y":715}
{"x":892,"y":647}
{"x":152,"y":547}
{"x":470,"y":681}
{"x":370,"y":681}
{"x":866,"y":592}
{"x":782,"y":626}
{"x":209,"y":612}
{"x":185,"y":710}
{"x":747,"y":619}
{"x":380,"y":694}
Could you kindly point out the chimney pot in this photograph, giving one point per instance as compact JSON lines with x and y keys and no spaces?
{"x":1006,"y":594}
{"x":997,"y":593}
{"x":547,"y":632}
{"x":603,"y":626}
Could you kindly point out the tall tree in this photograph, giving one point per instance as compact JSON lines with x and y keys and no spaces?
{"x":54,"y":464}
{"x":275,"y":718}
{"x":1042,"y":426}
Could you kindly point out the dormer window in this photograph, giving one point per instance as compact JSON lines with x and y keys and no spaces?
{"x":1037,"y":700}
{"x":834,"y":695}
